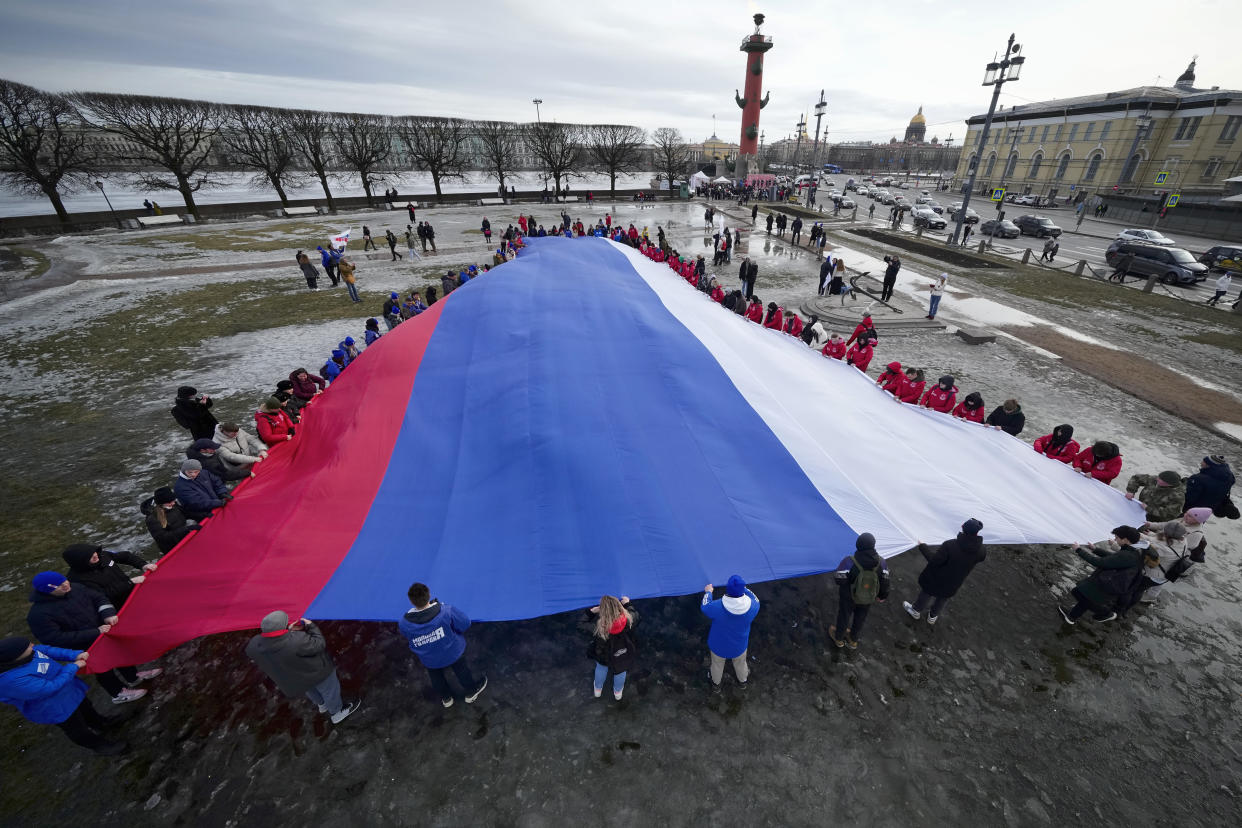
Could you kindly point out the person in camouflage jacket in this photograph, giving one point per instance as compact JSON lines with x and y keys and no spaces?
{"x":1162,"y":495}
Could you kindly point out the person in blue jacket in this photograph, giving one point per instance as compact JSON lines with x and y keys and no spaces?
{"x":333,"y":367}
{"x":329,"y":259}
{"x":434,"y":632}
{"x":350,"y":348}
{"x":372,"y":334}
{"x":729,"y":636}
{"x":199,"y":491}
{"x":42,"y":683}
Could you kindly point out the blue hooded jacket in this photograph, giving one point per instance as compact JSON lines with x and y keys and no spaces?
{"x":729,"y":636}
{"x":330,"y":371}
{"x":44,"y":690}
{"x":200,"y":495}
{"x":435,"y":633}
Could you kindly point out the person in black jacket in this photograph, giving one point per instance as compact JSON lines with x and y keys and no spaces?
{"x":295,"y":657}
{"x":165,"y":520}
{"x":96,"y":568}
{"x":192,"y":411}
{"x":1210,"y":485}
{"x":204,"y":451}
{"x":63,"y":616}
{"x":946,"y":571}
{"x":612,"y":642}
{"x":1007,"y":417}
{"x":862,"y":580}
{"x":1119,"y":567}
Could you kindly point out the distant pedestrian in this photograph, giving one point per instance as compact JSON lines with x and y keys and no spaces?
{"x":308,"y":270}
{"x":431,"y":235}
{"x":966,"y":231}
{"x":391,"y":238}
{"x":1222,"y":287}
{"x":749,"y":271}
{"x":411,"y":242}
{"x":295,"y":657}
{"x":770,"y":219}
{"x":946,"y":571}
{"x":892,"y":267}
{"x":368,"y":243}
{"x":862,"y":580}
{"x":613,"y":645}
{"x":871,"y":211}
{"x":1122,"y":269}
{"x":410,"y":207}
{"x":729,"y":636}
{"x":937,"y":292}
{"x":487,"y":230}
{"x":795,"y":236}
{"x":754,"y":214}
{"x":434,"y":633}
{"x":192,"y":411}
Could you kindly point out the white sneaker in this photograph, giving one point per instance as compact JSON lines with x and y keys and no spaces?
{"x":143,"y":675}
{"x":599,"y":691}
{"x":470,"y":699}
{"x":129,"y":694}
{"x":323,"y":708}
{"x":447,"y":702}
{"x":911,"y":611}
{"x":931,"y":619}
{"x":344,"y":712}
{"x":616,"y":694}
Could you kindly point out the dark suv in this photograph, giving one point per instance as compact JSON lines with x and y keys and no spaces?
{"x":1036,"y":226}
{"x":1172,"y":264}
{"x":1223,"y":258}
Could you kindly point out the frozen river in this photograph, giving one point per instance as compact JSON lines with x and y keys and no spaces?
{"x":122,"y":189}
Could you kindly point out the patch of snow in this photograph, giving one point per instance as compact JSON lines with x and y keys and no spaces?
{"x":1232,"y":429}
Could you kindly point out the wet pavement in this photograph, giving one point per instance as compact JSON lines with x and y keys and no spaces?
{"x":996,"y":716}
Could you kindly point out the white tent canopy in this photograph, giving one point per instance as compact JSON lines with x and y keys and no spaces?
{"x":699,"y":179}
{"x":723,"y":180}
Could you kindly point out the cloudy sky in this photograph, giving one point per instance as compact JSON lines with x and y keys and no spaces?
{"x":647,"y":62}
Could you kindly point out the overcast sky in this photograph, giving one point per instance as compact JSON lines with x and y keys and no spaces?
{"x":647,"y":62}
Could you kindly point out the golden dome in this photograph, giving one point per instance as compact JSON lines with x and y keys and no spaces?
{"x":918,"y":118}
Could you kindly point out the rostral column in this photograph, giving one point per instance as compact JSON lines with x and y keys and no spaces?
{"x":754,"y":46}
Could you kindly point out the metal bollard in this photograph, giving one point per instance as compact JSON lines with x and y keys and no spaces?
{"x":1026,"y":256}
{"x":1082,"y":265}
{"x":983,"y":246}
{"x":1151,"y":284}
{"x":919,"y":232}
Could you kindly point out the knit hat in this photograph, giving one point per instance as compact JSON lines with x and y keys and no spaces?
{"x":865,"y":541}
{"x":186,"y":391}
{"x":1199,"y":514}
{"x":204,"y":443}
{"x":972,"y":526}
{"x":736,"y":587}
{"x":1173,"y":530}
{"x":1169,"y":478}
{"x":349,"y":340}
{"x":78,"y":555}
{"x":271,"y":404}
{"x":1127,"y":533}
{"x":337,"y":352}
{"x":273,"y":621}
{"x":191,"y":465}
{"x":164,"y":495}
{"x":392,"y":295}
{"x":283,"y":385}
{"x":45,"y":582}
{"x":11,"y":649}
{"x":1215,"y":460}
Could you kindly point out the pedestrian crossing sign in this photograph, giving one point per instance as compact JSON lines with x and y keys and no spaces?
{"x":998,"y":194}
{"x":1162,"y":177}
{"x":1173,"y":199}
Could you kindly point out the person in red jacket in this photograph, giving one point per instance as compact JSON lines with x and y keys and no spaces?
{"x":775,"y":318}
{"x":273,"y":423}
{"x":1059,"y":445}
{"x":754,"y":311}
{"x":835,"y":348}
{"x":970,"y":408}
{"x":859,"y":355}
{"x":718,"y":293}
{"x":913,"y":388}
{"x":1102,"y":461}
{"x":892,"y":380}
{"x":865,"y":325}
{"x":941,"y":396}
{"x":793,"y":324}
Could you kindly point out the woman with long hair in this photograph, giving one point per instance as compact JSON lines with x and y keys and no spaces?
{"x":613,"y":645}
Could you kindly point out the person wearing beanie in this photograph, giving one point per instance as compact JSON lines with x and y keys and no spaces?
{"x":272,"y":423}
{"x":1101,"y":460}
{"x":946,"y":571}
{"x":912,"y":389}
{"x":336,"y":364}
{"x":239,"y":450}
{"x":612,"y":644}
{"x":866,"y":326}
{"x":72,"y":617}
{"x":392,"y":310}
{"x":728,"y":638}
{"x":1162,"y":495}
{"x":372,"y":333}
{"x":1007,"y":417}
{"x":192,"y":411}
{"x":434,"y":631}
{"x":204,"y":451}
{"x":1059,"y":445}
{"x":295,"y":657}
{"x":941,"y":396}
{"x":862,"y":580}
{"x":96,"y":568}
{"x":42,"y":683}
{"x":970,"y":408}
{"x":166,"y":521}
{"x":199,"y":491}
{"x":350,"y":348}
{"x":292,"y":404}
{"x":1118,"y":574}
{"x":860,"y":353}
{"x":1211,"y":486}
{"x":891,"y":379}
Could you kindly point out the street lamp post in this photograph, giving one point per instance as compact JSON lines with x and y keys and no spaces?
{"x":100,"y":185}
{"x":819,"y":114}
{"x":538,"y":120}
{"x":996,"y":74}
{"x":801,"y":125}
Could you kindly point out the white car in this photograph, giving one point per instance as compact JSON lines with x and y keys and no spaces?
{"x":1148,"y":236}
{"x":1026,"y":199}
{"x":863,"y":190}
{"x":848,"y":204}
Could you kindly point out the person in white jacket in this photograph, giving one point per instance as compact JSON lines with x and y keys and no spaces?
{"x":238,"y":448}
{"x":1222,"y":287}
{"x":937,"y":291}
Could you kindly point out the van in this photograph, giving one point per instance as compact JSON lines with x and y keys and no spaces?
{"x":1173,"y":265}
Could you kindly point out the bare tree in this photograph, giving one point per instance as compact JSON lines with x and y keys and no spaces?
{"x":255,"y":138}
{"x":365,"y":143}
{"x":173,"y":133}
{"x":559,"y":147}
{"x":309,"y":131}
{"x":437,"y":145}
{"x":672,"y":154}
{"x":499,"y":144}
{"x":616,"y":148}
{"x":44,"y":149}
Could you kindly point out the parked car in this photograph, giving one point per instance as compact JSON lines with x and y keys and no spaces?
{"x":934,"y":206}
{"x":971,"y":216}
{"x":1039,"y":226}
{"x":848,"y":203}
{"x":1027,"y":198}
{"x":862,"y":189}
{"x":884,"y":197}
{"x":927,"y":218}
{"x":1223,"y":258}
{"x":1149,"y":236}
{"x":1005,"y":229}
{"x":923,"y":199}
{"x":1173,"y":265}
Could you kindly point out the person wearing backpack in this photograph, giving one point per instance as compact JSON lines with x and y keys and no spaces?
{"x":729,"y":636}
{"x":946,"y":571}
{"x":1180,"y":545}
{"x":612,"y":642}
{"x":1118,"y":569}
{"x":862,"y":580}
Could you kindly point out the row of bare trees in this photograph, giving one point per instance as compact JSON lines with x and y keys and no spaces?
{"x":51,"y":144}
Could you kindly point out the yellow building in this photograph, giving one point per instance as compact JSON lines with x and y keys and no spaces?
{"x":716,"y":150}
{"x":1112,"y":143}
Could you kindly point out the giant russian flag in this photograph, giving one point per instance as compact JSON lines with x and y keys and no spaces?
{"x":579,"y":422}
